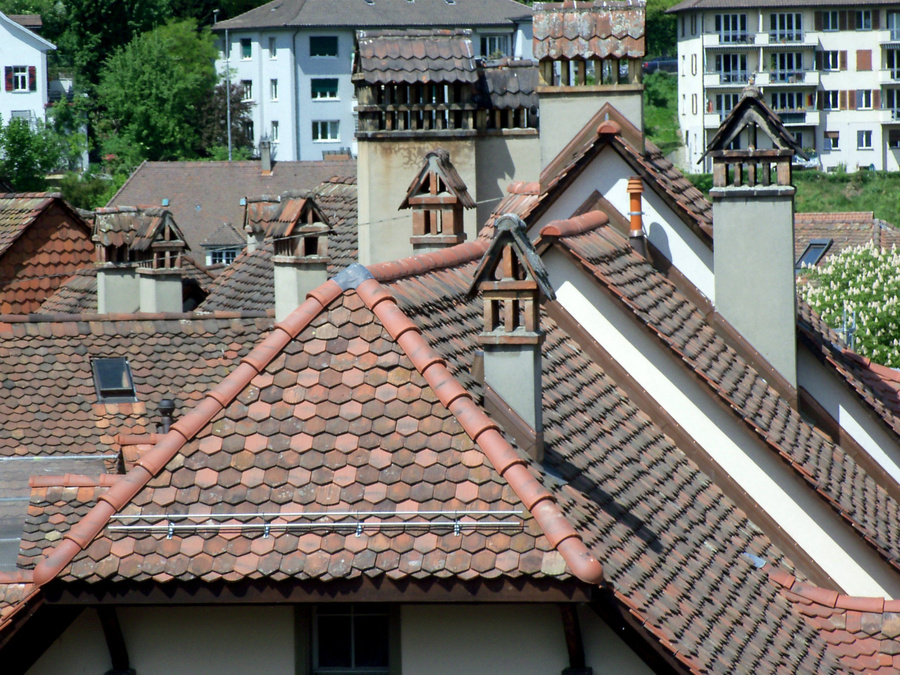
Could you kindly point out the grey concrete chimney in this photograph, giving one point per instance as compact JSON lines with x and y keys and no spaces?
{"x":512,"y":279}
{"x":265,"y":156}
{"x":301,"y":265}
{"x":160,"y":290}
{"x":118,"y":289}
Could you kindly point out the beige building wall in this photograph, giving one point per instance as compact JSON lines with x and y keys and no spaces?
{"x":501,"y":159}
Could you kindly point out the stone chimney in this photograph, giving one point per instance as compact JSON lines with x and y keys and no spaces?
{"x":301,"y":255}
{"x":265,"y":156}
{"x":512,"y":280}
{"x":753,"y":221}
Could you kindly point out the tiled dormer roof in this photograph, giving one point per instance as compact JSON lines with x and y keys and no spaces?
{"x":601,"y":29}
{"x":413,"y":55}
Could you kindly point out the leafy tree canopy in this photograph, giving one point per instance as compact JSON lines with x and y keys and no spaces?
{"x":660,"y":29}
{"x":864,"y":280}
{"x":150,"y":91}
{"x":27,"y":154}
{"x":211,"y":122}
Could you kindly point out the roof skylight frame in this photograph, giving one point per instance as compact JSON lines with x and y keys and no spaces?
{"x":815,"y":250}
{"x":113,"y":381}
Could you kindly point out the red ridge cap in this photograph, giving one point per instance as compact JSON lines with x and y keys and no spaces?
{"x":75,"y":480}
{"x":137,"y":439}
{"x":860,"y":604}
{"x":426,"y":262}
{"x":609,"y":127}
{"x":124,"y":489}
{"x":821,"y":596}
{"x":522,"y":188}
{"x":483,"y":431}
{"x":575,"y":226}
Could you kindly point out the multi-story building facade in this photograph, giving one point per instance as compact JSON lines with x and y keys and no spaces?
{"x":294,"y":59}
{"x":23,"y":61}
{"x":832,"y":72}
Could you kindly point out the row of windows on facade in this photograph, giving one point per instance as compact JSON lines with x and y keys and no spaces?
{"x":20,"y":78}
{"x":321,"y":89}
{"x":788,"y":26}
{"x":322,"y":130}
{"x":326,"y":46}
{"x":791,"y":66}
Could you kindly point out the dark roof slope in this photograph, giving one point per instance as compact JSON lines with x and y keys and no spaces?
{"x":510,"y":84}
{"x":203,"y":195}
{"x":380,"y":13}
{"x":410,"y":56}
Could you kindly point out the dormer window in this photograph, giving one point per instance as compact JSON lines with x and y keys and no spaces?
{"x":113,"y":381}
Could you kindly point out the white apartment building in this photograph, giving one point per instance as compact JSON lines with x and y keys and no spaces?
{"x":23,"y":62}
{"x":831,"y":70}
{"x":295,"y":58}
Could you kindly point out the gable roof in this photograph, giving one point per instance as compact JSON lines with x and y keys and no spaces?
{"x":225,"y":235}
{"x":603,"y":28}
{"x":203,"y":195}
{"x":134,"y":227}
{"x":437,"y":165}
{"x":21,"y":27}
{"x":845,"y":230}
{"x":379,"y":13}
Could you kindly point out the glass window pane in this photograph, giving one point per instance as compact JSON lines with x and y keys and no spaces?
{"x":371,"y":637}
{"x":334,"y":642}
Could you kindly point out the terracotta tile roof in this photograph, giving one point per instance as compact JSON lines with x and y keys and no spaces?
{"x":342,"y":408}
{"x":670,"y":540}
{"x":248,"y":283}
{"x":78,"y":295}
{"x":132,"y":226}
{"x":203,"y":195}
{"x":600,"y":29}
{"x":844,"y":229}
{"x":47,"y":397}
{"x":510,"y":84}
{"x":42,"y":243}
{"x":412,"y":55}
{"x":384,"y":13}
{"x":825,"y":467}
{"x":864,"y":631}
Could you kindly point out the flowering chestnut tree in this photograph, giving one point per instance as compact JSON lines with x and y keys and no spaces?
{"x":864,"y":280}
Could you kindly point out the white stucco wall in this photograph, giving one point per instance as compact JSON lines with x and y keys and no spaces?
{"x":21,"y":47}
{"x":805,"y":517}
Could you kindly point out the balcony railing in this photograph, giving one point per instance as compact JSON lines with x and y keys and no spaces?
{"x":735,"y":38}
{"x":793,"y":76}
{"x":786,"y":36}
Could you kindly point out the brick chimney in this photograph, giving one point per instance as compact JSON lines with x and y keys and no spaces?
{"x":512,"y":279}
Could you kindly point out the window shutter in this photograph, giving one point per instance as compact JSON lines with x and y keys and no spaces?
{"x":32,"y":78}
{"x":864,"y":59}
{"x":8,"y":77}
{"x":876,"y":19}
{"x":842,"y":100}
{"x":842,"y":20}
{"x":842,"y":60}
{"x":851,"y":20}
{"x":818,"y":59}
{"x":851,"y":99}
{"x":817,"y":20}
{"x":876,"y":99}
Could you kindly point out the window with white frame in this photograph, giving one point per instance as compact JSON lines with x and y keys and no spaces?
{"x":864,"y":139}
{"x":273,"y":48}
{"x":830,"y":100}
{"x":273,"y":89}
{"x":274,"y":134}
{"x":863,"y":19}
{"x":831,"y":60}
{"x":863,"y":99}
{"x":494,"y":46}
{"x":20,"y":78}
{"x":247,"y":90}
{"x":323,"y":46}
{"x":786,"y":27}
{"x":326,"y":130}
{"x":323,"y":88}
{"x":732,"y":27}
{"x":832,"y":140}
{"x":350,"y":638}
{"x":246,"y":49}
{"x":222,"y":256}
{"x":830,"y":21}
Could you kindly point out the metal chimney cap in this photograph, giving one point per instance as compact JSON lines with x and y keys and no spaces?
{"x":167,"y":407}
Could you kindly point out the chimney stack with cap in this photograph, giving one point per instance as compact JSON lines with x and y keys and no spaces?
{"x":636,"y":232}
{"x":301,"y":252}
{"x":512,"y":280}
{"x":265,"y":156}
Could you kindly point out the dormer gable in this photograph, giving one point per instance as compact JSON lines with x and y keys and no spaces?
{"x":301,"y":228}
{"x":437,"y":197}
{"x":149,"y":237}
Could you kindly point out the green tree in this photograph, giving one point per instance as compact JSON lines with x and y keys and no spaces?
{"x":211,"y":122}
{"x":27,"y":154}
{"x":660,"y":29}
{"x":863,"y":281}
{"x":150,"y":91}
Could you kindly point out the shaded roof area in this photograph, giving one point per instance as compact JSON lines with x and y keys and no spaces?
{"x":32,"y":22}
{"x":380,"y":13}
{"x":204,"y":195}
{"x":248,"y":283}
{"x":671,"y":542}
{"x":47,"y":397}
{"x":864,"y":631}
{"x":688,"y":5}
{"x":823,"y":466}
{"x":79,"y":294}
{"x":226,"y":235}
{"x":412,"y":55}
{"x":602,"y":29}
{"x":510,"y":84}
{"x":43,"y":242}
{"x":845,"y":230}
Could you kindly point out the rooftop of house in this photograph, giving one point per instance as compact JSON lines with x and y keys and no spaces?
{"x":842,"y":230}
{"x":413,"y":55}
{"x":689,"y":5}
{"x":379,"y":13}
{"x":604,"y":29}
{"x":203,"y":195}
{"x":32,"y":22}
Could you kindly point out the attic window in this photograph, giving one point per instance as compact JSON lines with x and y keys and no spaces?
{"x":113,"y":381}
{"x":351,"y":639}
{"x":813,"y":253}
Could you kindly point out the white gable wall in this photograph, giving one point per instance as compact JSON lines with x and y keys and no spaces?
{"x":766,"y":479}
{"x":21,"y":47}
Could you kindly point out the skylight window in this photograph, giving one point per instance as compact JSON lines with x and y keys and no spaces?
{"x":813,"y":253}
{"x":113,"y":381}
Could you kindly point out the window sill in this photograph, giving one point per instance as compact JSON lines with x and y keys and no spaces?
{"x":324,"y":100}
{"x":328,"y":140}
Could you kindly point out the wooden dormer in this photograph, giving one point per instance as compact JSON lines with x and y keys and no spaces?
{"x":148,"y":237}
{"x":301,"y":229}
{"x":437,"y":197}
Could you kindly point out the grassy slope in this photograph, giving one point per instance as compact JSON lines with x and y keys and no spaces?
{"x":660,"y":105}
